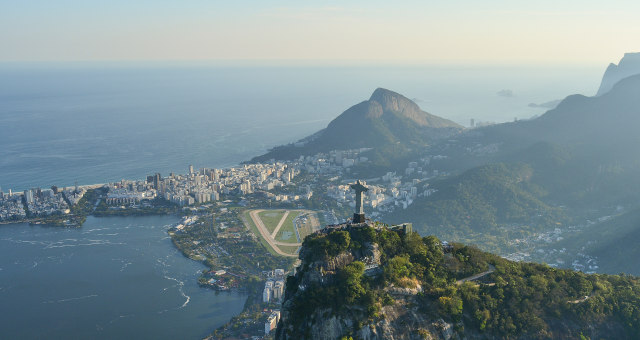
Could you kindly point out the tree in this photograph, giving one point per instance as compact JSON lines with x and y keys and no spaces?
{"x":397,"y":268}
{"x":350,"y":278}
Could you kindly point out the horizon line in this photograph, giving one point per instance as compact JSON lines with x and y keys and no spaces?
{"x":311,"y":62}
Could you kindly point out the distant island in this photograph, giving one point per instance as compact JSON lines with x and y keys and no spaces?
{"x":546,"y":105}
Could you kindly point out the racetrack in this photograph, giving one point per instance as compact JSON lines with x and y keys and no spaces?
{"x":264,"y":233}
{"x":270,"y":237}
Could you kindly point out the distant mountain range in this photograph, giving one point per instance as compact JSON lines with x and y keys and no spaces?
{"x":576,"y":162}
{"x":387,"y":121}
{"x":629,"y":65}
{"x":582,"y":156}
{"x":609,"y":118}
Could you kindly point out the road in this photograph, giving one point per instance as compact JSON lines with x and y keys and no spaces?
{"x":476,"y":276}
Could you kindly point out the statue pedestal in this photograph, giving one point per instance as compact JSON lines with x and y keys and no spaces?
{"x":358,"y":218}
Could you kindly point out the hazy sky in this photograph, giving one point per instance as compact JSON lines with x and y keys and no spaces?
{"x":487,"y":31}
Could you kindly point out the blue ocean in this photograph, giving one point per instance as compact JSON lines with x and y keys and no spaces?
{"x":99,"y":122}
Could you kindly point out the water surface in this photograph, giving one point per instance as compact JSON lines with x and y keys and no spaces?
{"x":116,"y":277}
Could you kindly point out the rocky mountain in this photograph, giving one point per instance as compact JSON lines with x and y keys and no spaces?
{"x":387,"y":121}
{"x":629,"y":65}
{"x":599,"y":162}
{"x":368,"y":281}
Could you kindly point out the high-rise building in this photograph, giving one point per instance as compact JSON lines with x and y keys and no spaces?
{"x":266,"y":295}
{"x":272,"y":322}
{"x":156,"y":180}
{"x":28,"y":196}
{"x":278,"y":290}
{"x":414,"y":192}
{"x":190,"y":169}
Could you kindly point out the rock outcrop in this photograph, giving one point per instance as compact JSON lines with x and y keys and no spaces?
{"x":629,"y":65}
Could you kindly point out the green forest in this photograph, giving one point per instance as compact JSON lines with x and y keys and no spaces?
{"x":515,"y":300}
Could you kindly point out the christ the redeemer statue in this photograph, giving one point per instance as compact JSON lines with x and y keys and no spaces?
{"x":358,"y":216}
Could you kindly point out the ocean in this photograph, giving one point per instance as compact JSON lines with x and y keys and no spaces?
{"x":90,"y":123}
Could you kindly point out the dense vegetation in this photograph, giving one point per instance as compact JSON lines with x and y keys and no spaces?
{"x":614,"y":242}
{"x":515,"y":300}
{"x":87,"y":203}
{"x":479,"y":200}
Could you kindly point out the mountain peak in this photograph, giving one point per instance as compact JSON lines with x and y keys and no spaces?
{"x":387,"y":121}
{"x":395,"y":102}
{"x":381,"y":93}
{"x":629,"y":65}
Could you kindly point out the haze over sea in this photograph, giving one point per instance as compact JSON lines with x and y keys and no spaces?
{"x":99,"y":122}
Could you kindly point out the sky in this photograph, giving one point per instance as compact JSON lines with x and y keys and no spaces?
{"x":421,"y":32}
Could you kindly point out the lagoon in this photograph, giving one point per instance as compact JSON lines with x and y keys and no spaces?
{"x":116,"y":277}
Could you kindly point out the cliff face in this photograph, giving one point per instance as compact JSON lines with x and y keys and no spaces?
{"x":401,"y":320}
{"x":629,"y":65}
{"x":372,"y":282}
{"x":392,"y":102}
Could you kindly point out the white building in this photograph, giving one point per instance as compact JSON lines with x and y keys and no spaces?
{"x":266,"y":295}
{"x":278,"y":290}
{"x":272,"y":322}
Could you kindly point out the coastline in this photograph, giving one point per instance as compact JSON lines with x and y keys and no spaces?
{"x":235,"y":260}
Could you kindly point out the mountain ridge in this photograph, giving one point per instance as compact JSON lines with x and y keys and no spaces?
{"x":627,"y":66}
{"x":581,"y":156}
